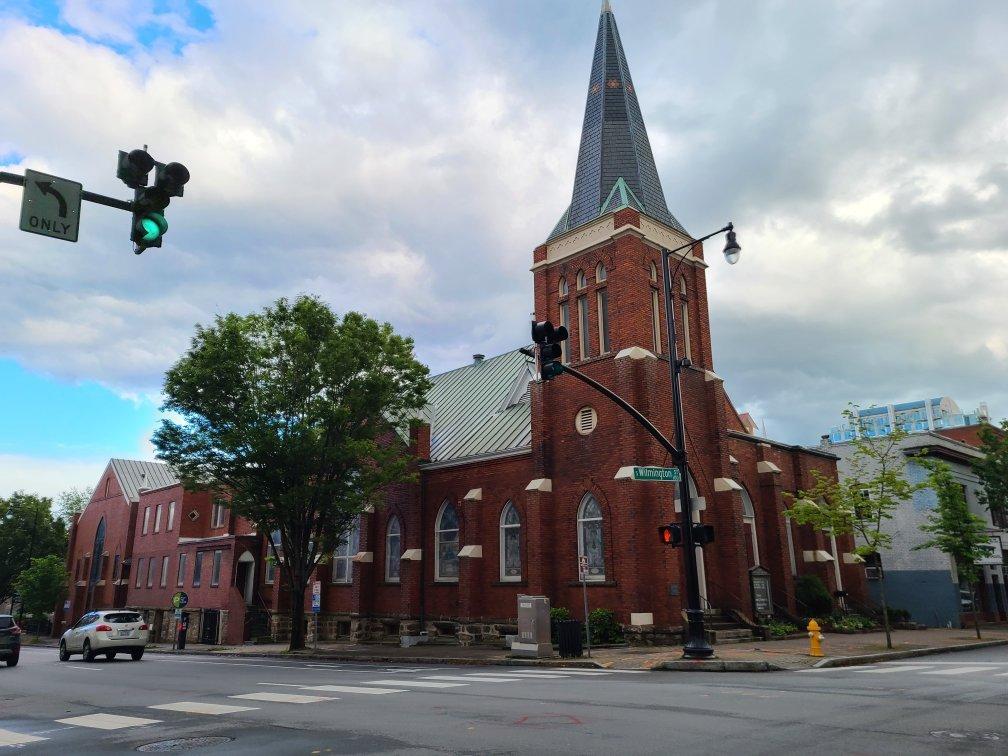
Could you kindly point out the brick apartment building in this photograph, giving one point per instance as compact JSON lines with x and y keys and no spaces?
{"x":516,"y":477}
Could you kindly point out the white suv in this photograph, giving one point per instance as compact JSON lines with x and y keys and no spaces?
{"x":108,"y":632}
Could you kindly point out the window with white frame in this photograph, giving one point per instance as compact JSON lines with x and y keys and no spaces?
{"x":342,"y":571}
{"x":215,"y":575}
{"x":583,"y":340}
{"x":563,"y":288}
{"x":218,"y":515}
{"x":656,"y":321}
{"x":164,"y":571}
{"x":273,"y":558}
{"x":749,"y":519}
{"x":600,"y":273}
{"x":157,"y":519}
{"x":171,"y":515}
{"x":197,"y":573}
{"x":565,"y":322}
{"x":581,"y":280}
{"x":146,"y":524}
{"x":180,"y":579}
{"x":151,"y":566}
{"x":590,"y":542}
{"x":139,"y":572}
{"x":602,"y":297}
{"x":446,"y":538}
{"x":510,"y":544}
{"x":393,"y":550}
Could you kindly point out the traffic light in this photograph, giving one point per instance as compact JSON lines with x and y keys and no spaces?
{"x":702,"y":534}
{"x":548,"y":339}
{"x":149,"y":225}
{"x":670,"y":535}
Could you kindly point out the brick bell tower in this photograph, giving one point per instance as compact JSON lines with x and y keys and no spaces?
{"x":599,"y":274}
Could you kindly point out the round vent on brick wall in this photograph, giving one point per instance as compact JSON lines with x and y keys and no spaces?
{"x":585,"y":420}
{"x":194,"y":515}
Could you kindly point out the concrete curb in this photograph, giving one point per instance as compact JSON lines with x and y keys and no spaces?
{"x":379,"y":659}
{"x":717,"y":665}
{"x":852,"y":661}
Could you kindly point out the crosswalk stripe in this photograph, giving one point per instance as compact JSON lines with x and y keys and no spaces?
{"x":351,"y":689}
{"x":894,"y":668}
{"x":566,"y":671}
{"x":102,"y":721}
{"x":199,"y":707}
{"x":414,"y":684}
{"x":284,"y":697}
{"x":524,"y":676}
{"x":956,"y":671}
{"x":471,"y":678}
{"x":1001,"y":674}
{"x":11,"y":738}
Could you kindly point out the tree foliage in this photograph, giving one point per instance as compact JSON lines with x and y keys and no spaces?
{"x":72,"y":502}
{"x":27,"y":530}
{"x":299,"y":416}
{"x":993,"y":468}
{"x":863,"y":503}
{"x":953,"y":528}
{"x":42,"y":585}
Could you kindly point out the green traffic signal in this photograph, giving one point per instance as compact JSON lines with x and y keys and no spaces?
{"x":152,"y":227}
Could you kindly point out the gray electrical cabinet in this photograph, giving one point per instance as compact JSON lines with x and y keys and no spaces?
{"x":533,"y":628}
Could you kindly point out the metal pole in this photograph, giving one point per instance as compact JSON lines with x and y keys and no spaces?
{"x":584,"y":589}
{"x":696,"y":645}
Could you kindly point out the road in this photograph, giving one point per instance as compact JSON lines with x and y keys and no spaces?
{"x":950,"y":702}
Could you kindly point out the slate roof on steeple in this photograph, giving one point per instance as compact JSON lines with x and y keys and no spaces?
{"x":614,"y":142}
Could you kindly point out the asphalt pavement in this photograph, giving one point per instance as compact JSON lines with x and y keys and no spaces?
{"x":956,"y":702}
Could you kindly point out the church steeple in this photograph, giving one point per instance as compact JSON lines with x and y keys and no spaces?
{"x":614,"y":142}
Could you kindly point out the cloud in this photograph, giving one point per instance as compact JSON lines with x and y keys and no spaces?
{"x":404,"y":159}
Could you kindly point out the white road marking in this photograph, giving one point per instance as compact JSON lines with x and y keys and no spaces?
{"x":956,"y":671}
{"x":894,"y":668}
{"x":1001,"y":674}
{"x":232,"y":664}
{"x":198,"y":707}
{"x":81,"y":669}
{"x":11,"y":738}
{"x":524,"y":676}
{"x":566,"y":671}
{"x":284,"y":697}
{"x":107,"y":721}
{"x":353,"y":689}
{"x":414,"y":684}
{"x":471,"y":678}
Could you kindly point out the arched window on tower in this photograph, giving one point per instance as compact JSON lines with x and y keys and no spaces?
{"x":564,"y":320}
{"x":656,"y":333}
{"x":590,"y":542}
{"x":749,"y":519}
{"x":602,"y":301}
{"x":393,"y":550}
{"x":446,"y":539}
{"x":684,"y":317}
{"x":510,"y":544}
{"x":563,"y":288}
{"x":581,"y":280}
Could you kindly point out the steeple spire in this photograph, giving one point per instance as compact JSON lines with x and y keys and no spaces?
{"x":614,"y":142}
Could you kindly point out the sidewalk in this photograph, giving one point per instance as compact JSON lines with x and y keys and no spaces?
{"x":839,"y":650}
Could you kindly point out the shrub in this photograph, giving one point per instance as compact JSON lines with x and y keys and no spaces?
{"x":780,"y":629}
{"x":895,"y":615}
{"x":604,"y":627}
{"x":813,"y":597}
{"x":559,"y":614}
{"x":850,"y":622}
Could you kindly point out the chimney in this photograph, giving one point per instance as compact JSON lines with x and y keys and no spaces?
{"x":824,"y":441}
{"x":478,"y":358}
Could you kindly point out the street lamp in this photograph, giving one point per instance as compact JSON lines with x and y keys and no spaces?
{"x":696,"y":645}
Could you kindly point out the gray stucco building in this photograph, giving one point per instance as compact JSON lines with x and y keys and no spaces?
{"x":925,"y":582}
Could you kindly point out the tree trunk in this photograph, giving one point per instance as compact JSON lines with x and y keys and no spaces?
{"x":299,"y":584}
{"x":885,"y":611}
{"x":976,"y":614}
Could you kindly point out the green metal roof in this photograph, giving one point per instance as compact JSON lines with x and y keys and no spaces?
{"x":481,"y":409}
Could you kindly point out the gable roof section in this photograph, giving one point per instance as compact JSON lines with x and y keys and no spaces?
{"x":134,"y":474}
{"x":476,"y":410}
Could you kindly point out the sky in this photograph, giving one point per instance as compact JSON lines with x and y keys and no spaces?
{"x":405,"y":158}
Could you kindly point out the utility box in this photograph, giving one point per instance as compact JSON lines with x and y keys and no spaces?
{"x":533,"y":628}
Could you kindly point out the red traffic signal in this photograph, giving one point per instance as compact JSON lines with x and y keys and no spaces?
{"x":670,"y":535}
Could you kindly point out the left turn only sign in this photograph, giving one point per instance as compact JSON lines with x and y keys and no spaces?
{"x":50,"y":206}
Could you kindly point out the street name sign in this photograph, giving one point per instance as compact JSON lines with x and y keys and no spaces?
{"x":665,"y":474}
{"x":50,"y":206}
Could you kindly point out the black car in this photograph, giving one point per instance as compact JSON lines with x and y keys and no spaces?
{"x":10,"y":640}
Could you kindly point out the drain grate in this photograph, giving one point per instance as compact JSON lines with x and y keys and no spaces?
{"x":183,"y":744}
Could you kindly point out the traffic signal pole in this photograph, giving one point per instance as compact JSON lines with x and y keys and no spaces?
{"x":98,"y":199}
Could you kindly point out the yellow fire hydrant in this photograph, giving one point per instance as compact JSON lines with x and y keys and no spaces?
{"x":815,"y":647}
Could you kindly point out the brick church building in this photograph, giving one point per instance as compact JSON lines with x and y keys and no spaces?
{"x":517,"y":478}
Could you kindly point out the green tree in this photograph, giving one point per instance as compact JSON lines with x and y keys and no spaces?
{"x":863,"y":502}
{"x":42,"y":585}
{"x":27,"y":530}
{"x":72,"y":502}
{"x":299,"y":416}
{"x":993,"y":469}
{"x":954,"y":529}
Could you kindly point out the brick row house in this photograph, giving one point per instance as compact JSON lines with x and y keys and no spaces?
{"x":517,"y":478}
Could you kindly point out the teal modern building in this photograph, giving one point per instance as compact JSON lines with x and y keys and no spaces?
{"x":918,"y":416}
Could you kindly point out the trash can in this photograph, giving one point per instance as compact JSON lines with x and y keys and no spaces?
{"x":570,"y":635}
